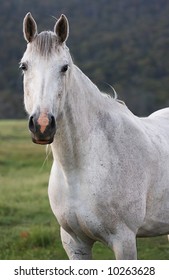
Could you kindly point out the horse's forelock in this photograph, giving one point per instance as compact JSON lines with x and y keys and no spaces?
{"x":46,"y":42}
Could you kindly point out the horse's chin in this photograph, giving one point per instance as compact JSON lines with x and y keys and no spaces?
{"x":42,"y":142}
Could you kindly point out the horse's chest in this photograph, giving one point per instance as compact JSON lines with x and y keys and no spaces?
{"x":79,"y":219}
{"x":76,"y":215}
{"x":76,"y":206}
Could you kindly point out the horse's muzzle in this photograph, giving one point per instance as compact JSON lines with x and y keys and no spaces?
{"x":43,"y":128}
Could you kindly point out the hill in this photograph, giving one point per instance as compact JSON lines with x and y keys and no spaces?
{"x":123,"y":43}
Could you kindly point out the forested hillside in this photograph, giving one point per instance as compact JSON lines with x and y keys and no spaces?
{"x":121,"y":42}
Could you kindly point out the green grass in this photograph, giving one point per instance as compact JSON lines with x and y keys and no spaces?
{"x":28,"y":228}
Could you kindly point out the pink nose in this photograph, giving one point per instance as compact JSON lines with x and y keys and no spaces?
{"x":42,"y":127}
{"x":43,"y":122}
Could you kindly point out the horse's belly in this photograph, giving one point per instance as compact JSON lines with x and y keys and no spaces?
{"x":156,"y":221}
{"x":153,"y":228}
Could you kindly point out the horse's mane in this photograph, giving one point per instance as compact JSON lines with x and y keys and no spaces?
{"x":113,"y":95}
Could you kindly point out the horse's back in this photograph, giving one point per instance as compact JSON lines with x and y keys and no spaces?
{"x":157,"y":125}
{"x":161,"y":114}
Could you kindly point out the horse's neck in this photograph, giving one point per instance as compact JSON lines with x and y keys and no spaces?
{"x":86,"y":111}
{"x":77,"y":120}
{"x":85,"y":94}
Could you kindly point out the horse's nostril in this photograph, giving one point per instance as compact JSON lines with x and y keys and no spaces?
{"x":53,"y":123}
{"x":32,"y":124}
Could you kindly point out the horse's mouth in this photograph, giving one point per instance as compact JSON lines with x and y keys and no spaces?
{"x":42,"y":141}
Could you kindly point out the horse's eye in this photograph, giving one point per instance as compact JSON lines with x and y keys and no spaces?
{"x":24,"y":66}
{"x":64,"y":68}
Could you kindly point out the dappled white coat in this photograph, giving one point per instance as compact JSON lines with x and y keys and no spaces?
{"x":110,"y":179}
{"x":110,"y":176}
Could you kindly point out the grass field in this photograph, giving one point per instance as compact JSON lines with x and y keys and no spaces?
{"x":28,"y":228}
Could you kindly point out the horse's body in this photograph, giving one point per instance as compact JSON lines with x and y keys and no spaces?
{"x":110,"y":176}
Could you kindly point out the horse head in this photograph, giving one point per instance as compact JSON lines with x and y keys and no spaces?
{"x":46,"y":67}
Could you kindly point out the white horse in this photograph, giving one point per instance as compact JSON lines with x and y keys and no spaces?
{"x":110,"y":176}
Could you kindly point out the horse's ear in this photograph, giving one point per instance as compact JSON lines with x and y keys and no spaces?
{"x":29,"y":28}
{"x":62,"y":29}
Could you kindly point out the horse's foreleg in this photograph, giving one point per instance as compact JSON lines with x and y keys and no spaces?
{"x":124,"y":245}
{"x":75,"y":248}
